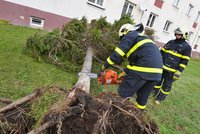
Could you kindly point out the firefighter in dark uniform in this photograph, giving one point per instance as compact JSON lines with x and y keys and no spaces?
{"x":175,"y":55}
{"x":145,"y":63}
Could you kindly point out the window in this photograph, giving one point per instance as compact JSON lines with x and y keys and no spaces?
{"x":176,"y":2}
{"x":197,"y":18}
{"x":195,"y":46}
{"x":190,"y":34}
{"x":151,"y":20}
{"x":158,"y":3}
{"x":189,"y":9}
{"x":96,"y":2}
{"x":167,"y":25}
{"x":128,"y":8}
{"x":36,"y":22}
{"x":197,"y":42}
{"x":195,"y":23}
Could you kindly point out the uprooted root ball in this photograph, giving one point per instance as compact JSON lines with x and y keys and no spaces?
{"x":105,"y":114}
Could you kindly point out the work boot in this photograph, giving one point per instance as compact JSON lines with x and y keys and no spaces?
{"x":155,"y":92}
{"x":160,"y":97}
{"x":157,"y":102}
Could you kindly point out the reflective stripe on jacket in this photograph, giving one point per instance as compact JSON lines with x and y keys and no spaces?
{"x":143,"y":56}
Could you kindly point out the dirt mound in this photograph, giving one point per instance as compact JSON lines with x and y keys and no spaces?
{"x":105,"y":114}
{"x":16,"y":121}
{"x":79,"y":113}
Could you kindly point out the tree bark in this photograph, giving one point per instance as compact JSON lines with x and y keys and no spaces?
{"x":19,"y":102}
{"x":5,"y":100}
{"x":84,"y":79}
{"x":41,"y":128}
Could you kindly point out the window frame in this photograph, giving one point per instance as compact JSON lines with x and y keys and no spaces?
{"x":196,"y":44}
{"x":176,"y":3}
{"x":128,"y":7}
{"x":32,"y":24}
{"x":167,"y":26}
{"x":96,"y":4}
{"x":190,"y":34}
{"x":197,"y":18}
{"x":151,"y":19}
{"x":190,"y":7}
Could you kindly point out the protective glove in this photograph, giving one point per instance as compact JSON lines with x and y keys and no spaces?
{"x":121,"y":75}
{"x":103,"y":68}
{"x":177,"y":75}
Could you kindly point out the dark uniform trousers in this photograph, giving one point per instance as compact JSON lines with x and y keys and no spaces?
{"x":164,"y":86}
{"x":134,"y":84}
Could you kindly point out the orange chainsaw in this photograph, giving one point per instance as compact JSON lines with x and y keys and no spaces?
{"x":108,"y":77}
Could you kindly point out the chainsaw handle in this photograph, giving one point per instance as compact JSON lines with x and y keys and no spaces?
{"x":118,"y":67}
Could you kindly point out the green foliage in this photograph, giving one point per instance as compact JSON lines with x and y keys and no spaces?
{"x":105,"y":44}
{"x":66,"y":47}
{"x":123,"y":20}
{"x":36,"y":45}
{"x":75,"y":29}
{"x":101,"y":24}
{"x":95,"y":35}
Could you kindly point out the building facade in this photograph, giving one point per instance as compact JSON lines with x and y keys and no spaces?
{"x":163,"y":16}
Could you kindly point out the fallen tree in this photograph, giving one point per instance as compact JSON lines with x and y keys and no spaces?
{"x":82,"y":113}
{"x":79,"y":112}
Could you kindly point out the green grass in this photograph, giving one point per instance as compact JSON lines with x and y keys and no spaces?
{"x":21,"y":74}
{"x":179,"y":113}
{"x":4,"y":22}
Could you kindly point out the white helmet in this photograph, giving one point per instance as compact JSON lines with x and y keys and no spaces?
{"x":129,"y":27}
{"x":183,"y":31}
{"x":125,"y":29}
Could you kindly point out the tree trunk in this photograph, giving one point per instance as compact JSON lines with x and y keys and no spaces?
{"x":20,"y":101}
{"x":84,"y":79}
{"x":5,"y":100}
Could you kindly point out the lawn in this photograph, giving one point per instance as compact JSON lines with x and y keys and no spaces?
{"x":180,"y":112}
{"x":21,"y":74}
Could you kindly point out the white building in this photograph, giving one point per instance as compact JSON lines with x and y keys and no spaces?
{"x":161,"y":15}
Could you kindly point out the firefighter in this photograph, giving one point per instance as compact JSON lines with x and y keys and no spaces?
{"x":175,"y":55}
{"x":145,"y":63}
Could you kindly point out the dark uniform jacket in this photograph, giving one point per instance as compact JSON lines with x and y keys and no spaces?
{"x":143,"y":56}
{"x":176,"y":54}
